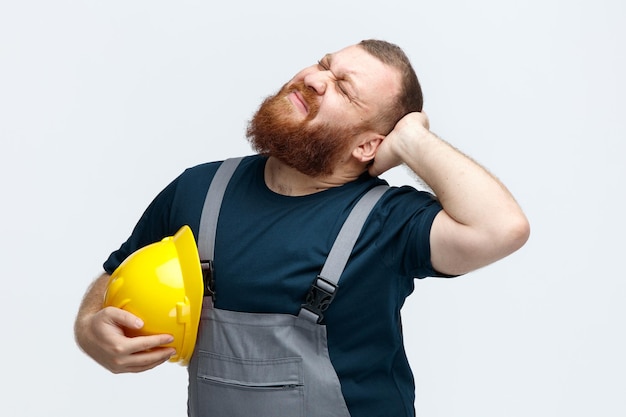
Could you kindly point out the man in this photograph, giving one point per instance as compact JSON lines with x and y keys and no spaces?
{"x":322,"y":141}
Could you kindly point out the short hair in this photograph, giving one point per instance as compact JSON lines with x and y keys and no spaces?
{"x":410,"y":98}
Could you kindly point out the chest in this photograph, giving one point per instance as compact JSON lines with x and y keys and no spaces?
{"x":267,"y":253}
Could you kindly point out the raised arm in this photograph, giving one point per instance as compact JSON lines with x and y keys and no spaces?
{"x":480,"y":223}
{"x":99,"y":333}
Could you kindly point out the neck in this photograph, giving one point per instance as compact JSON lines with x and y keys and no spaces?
{"x":285,"y":180}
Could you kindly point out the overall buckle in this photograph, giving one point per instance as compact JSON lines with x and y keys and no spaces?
{"x":321,"y":294}
{"x":208,"y":276}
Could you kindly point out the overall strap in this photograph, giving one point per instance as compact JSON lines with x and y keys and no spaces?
{"x":324,"y":287}
{"x":208,"y":220}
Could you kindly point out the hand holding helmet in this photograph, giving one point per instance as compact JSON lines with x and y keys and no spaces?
{"x":161,"y":284}
{"x":101,"y":334}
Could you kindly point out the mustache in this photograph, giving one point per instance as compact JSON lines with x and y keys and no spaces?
{"x":309,"y":96}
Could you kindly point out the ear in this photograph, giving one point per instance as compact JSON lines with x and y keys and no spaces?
{"x":367,"y":148}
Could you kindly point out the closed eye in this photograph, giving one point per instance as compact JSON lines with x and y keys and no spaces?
{"x":341,"y":88}
{"x":338,"y":82}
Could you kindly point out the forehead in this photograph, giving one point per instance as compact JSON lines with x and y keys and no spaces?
{"x":372,"y":79}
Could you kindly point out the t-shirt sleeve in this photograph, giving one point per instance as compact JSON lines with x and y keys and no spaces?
{"x":152,"y":226}
{"x":407,"y":218}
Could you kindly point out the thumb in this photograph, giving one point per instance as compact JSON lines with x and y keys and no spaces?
{"x":378,"y":167}
{"x":123,"y":318}
{"x":373,"y":169}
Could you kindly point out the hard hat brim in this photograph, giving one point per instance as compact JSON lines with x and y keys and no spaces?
{"x":194,"y":289}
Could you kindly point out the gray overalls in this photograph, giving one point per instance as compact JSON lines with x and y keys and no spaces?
{"x":268,"y":365}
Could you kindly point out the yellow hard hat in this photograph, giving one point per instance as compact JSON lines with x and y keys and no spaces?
{"x":162,"y":284}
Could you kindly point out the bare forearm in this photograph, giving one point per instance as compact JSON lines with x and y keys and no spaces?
{"x":100,"y":334}
{"x":92,"y":303}
{"x":467,"y":191}
{"x":480,"y":223}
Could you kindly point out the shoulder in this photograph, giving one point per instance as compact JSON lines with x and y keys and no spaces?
{"x":400,"y":227}
{"x":408,"y":201}
{"x":202,"y":174}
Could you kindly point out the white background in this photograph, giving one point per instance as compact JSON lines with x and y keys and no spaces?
{"x":102,"y":103}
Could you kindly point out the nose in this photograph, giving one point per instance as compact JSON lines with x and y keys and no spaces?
{"x":318,"y":80}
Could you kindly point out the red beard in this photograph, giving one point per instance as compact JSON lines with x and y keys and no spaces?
{"x":312,"y":150}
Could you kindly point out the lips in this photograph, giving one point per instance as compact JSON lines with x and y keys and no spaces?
{"x":298,"y":100}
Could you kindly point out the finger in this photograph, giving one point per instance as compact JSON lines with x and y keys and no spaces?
{"x":142,"y":361}
{"x":426,"y":120}
{"x":123,"y":318}
{"x":149,"y":343}
{"x":375,"y":169}
{"x":372,"y":169}
{"x":138,"y":369}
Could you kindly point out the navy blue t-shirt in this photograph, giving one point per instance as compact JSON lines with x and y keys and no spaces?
{"x":269,"y":248}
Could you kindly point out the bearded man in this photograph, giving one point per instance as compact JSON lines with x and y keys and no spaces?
{"x":321,"y":143}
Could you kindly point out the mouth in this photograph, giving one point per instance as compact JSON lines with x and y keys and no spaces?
{"x":295,"y":97}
